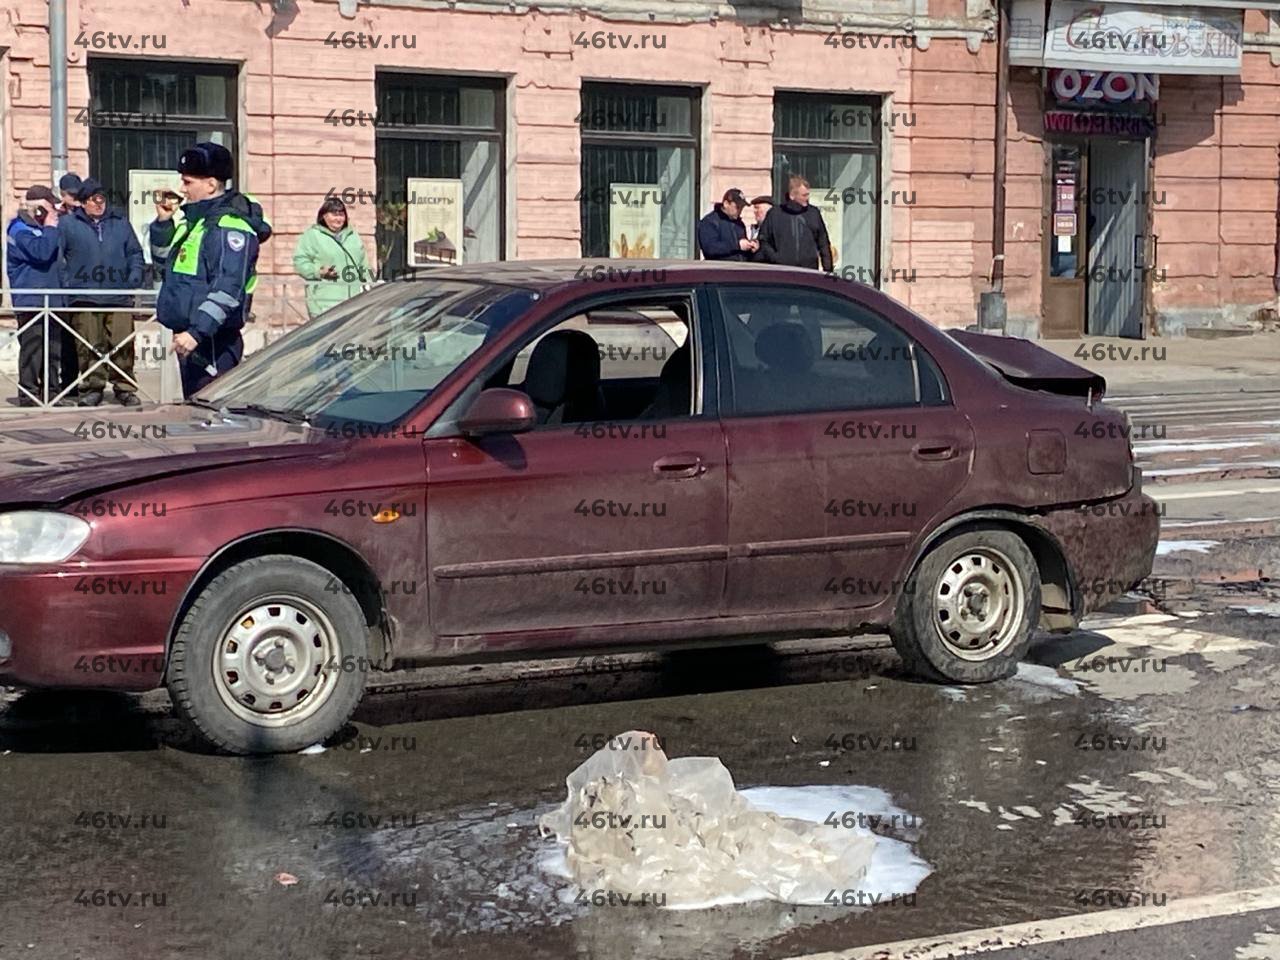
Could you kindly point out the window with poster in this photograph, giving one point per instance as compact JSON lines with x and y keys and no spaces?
{"x":640,"y":163}
{"x":834,"y":143}
{"x":142,"y":114}
{"x":439,"y":160}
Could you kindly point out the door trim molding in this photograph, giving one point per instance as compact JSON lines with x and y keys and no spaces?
{"x":580,"y":561}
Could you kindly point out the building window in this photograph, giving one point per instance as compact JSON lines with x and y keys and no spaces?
{"x":640,"y":164}
{"x":439,"y":158}
{"x":834,"y":143}
{"x":142,"y":114}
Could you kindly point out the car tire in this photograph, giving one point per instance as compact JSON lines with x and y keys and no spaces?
{"x":968,"y":610}
{"x":252,"y":667}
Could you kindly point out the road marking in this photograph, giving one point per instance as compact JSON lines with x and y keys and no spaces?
{"x":1216,"y":491}
{"x":1018,"y":935}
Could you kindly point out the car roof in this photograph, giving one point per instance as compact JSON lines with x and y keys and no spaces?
{"x":548,"y":274}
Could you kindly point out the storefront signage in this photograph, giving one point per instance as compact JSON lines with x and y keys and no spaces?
{"x":1064,"y":224}
{"x":829,"y":202}
{"x":1095,"y":88}
{"x":1152,"y":39}
{"x":434,"y":221}
{"x":1105,"y":124}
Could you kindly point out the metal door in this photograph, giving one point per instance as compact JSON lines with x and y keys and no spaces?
{"x":1117,"y":214}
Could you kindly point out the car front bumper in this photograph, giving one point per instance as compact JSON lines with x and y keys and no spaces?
{"x":1109,"y":547}
{"x":98,"y":625}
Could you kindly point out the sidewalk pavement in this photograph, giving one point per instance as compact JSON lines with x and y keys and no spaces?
{"x":1249,"y":364}
{"x":1182,"y":365}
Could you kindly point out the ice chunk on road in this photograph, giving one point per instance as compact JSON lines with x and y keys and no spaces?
{"x":636,"y":823}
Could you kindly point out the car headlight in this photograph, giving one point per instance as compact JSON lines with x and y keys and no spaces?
{"x":40,"y":536}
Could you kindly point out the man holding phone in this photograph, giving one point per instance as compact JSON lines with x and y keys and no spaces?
{"x":33,"y":264}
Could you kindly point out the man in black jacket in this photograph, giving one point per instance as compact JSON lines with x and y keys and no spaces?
{"x":794,"y":233}
{"x":721,"y":233}
{"x":101,"y":251}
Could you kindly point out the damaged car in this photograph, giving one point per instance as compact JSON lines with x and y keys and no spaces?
{"x":520,"y":459}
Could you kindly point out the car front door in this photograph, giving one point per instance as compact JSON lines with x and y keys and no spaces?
{"x":843,"y":444}
{"x":610,"y":511}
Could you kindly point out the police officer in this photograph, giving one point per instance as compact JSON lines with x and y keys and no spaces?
{"x":209,"y":261}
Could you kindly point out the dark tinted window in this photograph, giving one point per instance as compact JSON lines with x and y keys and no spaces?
{"x":794,"y":351}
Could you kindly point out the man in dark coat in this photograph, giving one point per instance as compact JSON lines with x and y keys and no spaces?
{"x":721,"y":233}
{"x":33,"y":264}
{"x":100,"y":251}
{"x":794,"y":233}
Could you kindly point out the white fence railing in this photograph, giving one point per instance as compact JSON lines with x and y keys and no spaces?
{"x":281,"y":303}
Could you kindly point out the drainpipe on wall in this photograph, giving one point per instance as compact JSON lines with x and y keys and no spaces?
{"x":1275,"y":277}
{"x":58,"y":88}
{"x":992,"y":308}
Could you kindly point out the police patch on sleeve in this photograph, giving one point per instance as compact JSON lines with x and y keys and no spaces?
{"x":235,"y":240}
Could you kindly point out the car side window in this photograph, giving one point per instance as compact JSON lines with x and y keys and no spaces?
{"x":795,"y":350}
{"x":623,"y":361}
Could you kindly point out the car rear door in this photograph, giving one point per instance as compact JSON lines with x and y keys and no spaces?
{"x":843,"y":445}
{"x":585,"y":524}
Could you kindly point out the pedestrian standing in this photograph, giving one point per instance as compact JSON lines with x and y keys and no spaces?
{"x":794,"y":233}
{"x":100,"y":251}
{"x":209,"y":261}
{"x":69,"y":187}
{"x":721,"y":233}
{"x":760,"y":206}
{"x":330,"y":256}
{"x":33,"y":263}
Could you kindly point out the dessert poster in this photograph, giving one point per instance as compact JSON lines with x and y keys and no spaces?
{"x":634,"y":220}
{"x":434,"y":220}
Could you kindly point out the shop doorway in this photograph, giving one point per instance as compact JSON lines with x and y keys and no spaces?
{"x":1116,"y":223}
{"x":1094,"y":278}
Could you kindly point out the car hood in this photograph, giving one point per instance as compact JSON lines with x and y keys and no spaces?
{"x":53,"y":457}
{"x":1025,"y":364}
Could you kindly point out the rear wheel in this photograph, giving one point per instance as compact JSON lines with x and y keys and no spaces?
{"x":255,"y":664}
{"x":968,"y":611}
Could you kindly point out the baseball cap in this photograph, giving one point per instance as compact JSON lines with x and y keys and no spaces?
{"x":41,"y":192}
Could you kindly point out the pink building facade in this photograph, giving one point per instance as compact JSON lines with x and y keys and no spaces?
{"x":547,"y":124}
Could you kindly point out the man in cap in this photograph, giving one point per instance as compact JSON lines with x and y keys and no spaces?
{"x":32,"y":264}
{"x":721,"y":233}
{"x":100,"y":251}
{"x":209,"y":262}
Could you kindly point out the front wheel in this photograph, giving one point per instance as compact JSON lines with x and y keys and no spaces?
{"x":967,"y":612}
{"x":254,"y":666}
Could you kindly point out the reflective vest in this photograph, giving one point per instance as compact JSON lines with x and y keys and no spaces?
{"x":187,"y":259}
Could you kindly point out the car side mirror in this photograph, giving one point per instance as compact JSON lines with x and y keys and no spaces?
{"x":498,"y":410}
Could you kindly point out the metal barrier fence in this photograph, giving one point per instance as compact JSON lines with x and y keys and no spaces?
{"x":280,"y":303}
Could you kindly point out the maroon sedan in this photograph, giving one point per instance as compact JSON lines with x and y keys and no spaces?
{"x":510,"y":459}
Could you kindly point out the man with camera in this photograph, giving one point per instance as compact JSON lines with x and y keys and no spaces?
{"x":32,"y":265}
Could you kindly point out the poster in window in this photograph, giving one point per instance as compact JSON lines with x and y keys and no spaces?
{"x":434,"y":221}
{"x":635,"y":218}
{"x":830,"y":202}
{"x":145,"y":188}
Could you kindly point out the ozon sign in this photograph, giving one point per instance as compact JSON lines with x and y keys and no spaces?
{"x":1098,"y":87}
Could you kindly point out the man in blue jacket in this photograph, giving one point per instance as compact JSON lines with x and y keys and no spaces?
{"x":100,"y":251}
{"x":721,"y":233}
{"x":33,"y":264}
{"x":209,"y":263}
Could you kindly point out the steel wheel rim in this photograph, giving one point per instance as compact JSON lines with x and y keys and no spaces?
{"x":269,"y":665}
{"x":977,"y":604}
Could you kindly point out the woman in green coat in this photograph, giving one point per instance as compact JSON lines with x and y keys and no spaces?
{"x":331,"y":257}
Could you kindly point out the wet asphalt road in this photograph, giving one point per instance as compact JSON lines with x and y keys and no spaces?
{"x":416,"y":834}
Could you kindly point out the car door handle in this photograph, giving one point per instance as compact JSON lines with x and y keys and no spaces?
{"x":934,"y":450}
{"x":680,"y":465}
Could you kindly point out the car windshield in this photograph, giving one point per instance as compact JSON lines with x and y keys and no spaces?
{"x":373,"y":358}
